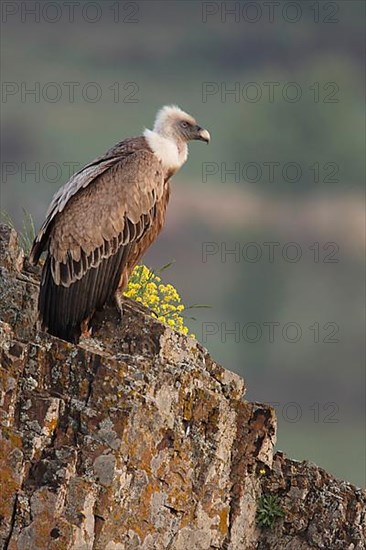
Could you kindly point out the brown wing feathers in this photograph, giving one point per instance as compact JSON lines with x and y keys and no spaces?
{"x":90,"y":238}
{"x":64,"y":308}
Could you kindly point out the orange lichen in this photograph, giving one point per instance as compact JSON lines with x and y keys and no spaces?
{"x":223,"y":523}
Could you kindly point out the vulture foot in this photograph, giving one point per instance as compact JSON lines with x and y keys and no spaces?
{"x":86,"y":330}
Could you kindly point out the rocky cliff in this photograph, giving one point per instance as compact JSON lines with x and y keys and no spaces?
{"x":137,"y":440}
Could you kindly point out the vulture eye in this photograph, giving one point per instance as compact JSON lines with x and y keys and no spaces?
{"x":184,"y":124}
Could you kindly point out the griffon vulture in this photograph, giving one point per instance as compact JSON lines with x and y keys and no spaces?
{"x":103,"y":219}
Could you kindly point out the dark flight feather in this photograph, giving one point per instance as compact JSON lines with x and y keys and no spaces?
{"x":64,"y":308}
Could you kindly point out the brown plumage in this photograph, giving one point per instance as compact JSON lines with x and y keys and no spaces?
{"x":101,"y":222}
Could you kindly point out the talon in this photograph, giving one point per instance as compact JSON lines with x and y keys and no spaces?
{"x":86,"y":331}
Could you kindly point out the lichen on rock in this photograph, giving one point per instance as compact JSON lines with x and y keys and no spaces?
{"x":138,"y":439}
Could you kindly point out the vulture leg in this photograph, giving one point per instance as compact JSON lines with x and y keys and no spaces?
{"x":119,"y":304}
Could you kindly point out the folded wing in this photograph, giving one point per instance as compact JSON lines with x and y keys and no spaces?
{"x":90,"y":232}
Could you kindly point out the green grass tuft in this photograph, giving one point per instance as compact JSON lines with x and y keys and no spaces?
{"x":27,"y":233}
{"x":268,"y":511}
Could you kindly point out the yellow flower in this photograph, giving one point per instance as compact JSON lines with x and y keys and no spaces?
{"x":164,"y":301}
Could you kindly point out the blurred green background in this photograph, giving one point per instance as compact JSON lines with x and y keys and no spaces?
{"x":137,"y":56}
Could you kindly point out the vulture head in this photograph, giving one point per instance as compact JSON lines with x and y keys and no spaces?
{"x":172,"y":130}
{"x":173,"y":123}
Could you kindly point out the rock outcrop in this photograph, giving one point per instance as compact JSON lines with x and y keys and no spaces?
{"x":137,"y":440}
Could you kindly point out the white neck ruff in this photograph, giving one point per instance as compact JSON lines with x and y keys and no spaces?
{"x":167,"y":150}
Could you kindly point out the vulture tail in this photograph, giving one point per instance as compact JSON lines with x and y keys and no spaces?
{"x":63,"y":309}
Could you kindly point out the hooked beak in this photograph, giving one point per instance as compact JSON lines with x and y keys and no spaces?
{"x":202,"y":134}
